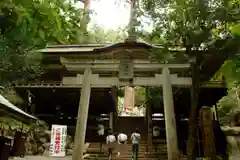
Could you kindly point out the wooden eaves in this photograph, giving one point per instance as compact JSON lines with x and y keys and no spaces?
{"x":8,"y":109}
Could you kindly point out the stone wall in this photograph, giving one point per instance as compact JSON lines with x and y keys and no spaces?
{"x":233,"y":140}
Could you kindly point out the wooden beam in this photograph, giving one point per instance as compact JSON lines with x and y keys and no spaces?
{"x":160,"y":66}
{"x":75,"y":61}
{"x":213,"y":84}
{"x":113,"y":65}
{"x":95,"y":67}
{"x":105,"y":82}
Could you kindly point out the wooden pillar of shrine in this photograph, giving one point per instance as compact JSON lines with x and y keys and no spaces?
{"x":79,"y":141}
{"x":148,"y":121}
{"x":114,"y":114}
{"x":192,"y":124}
{"x":170,"y":122}
{"x":206,"y":121}
{"x":32,"y":108}
{"x":111,"y":119}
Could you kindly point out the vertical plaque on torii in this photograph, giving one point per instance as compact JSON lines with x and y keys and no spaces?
{"x":126,"y":69}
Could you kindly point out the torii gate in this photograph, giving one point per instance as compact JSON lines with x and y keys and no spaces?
{"x":123,"y":70}
{"x":128,"y":69}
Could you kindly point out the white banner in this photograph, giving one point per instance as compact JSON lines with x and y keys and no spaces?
{"x":58,"y":141}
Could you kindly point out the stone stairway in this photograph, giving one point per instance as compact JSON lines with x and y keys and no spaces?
{"x":153,"y":154}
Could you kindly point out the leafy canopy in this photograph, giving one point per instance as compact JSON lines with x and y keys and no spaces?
{"x":31,"y":24}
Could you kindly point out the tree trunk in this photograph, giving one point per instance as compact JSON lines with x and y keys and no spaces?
{"x":192,"y":125}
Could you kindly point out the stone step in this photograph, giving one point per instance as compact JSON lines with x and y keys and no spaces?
{"x":141,"y":143}
{"x":98,"y":143}
{"x":141,"y":149}
{"x":126,"y":153}
{"x":129,"y":152}
{"x":127,"y":146}
{"x":130,"y":146}
{"x":146,"y":157}
{"x":118,"y":158}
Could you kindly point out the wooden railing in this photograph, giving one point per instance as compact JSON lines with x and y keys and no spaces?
{"x":59,"y":84}
{"x":214,"y":84}
{"x":46,"y":84}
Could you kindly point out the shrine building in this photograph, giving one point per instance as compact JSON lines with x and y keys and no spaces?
{"x":79,"y":89}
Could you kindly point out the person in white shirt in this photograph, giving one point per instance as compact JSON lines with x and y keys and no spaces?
{"x":110,"y":140}
{"x":156,"y":131}
{"x":100,"y":129}
{"x":135,"y":137}
{"x":100,"y":134}
{"x":122,"y":139}
{"x":156,"y":134}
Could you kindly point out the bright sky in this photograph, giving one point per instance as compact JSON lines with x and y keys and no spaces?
{"x":108,"y":14}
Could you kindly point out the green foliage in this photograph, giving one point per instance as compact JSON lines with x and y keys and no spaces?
{"x":26,"y":26}
{"x":229,"y":72}
{"x":6,"y":122}
{"x":197,"y":24}
{"x":189,"y":23}
{"x":140,"y":95}
{"x":229,"y":105}
{"x":120,"y":92}
{"x":98,"y":34}
{"x":29,"y":25}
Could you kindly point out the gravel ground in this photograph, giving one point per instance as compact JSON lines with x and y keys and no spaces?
{"x":41,"y":158}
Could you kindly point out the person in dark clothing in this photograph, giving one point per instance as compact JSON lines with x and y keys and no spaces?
{"x":135,"y":137}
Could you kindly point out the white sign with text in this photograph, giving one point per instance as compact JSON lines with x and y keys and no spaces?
{"x":58,"y":141}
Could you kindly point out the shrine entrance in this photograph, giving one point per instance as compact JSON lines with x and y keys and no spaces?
{"x":98,"y":70}
{"x":122,"y":64}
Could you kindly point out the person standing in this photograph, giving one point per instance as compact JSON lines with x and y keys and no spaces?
{"x":110,"y":140}
{"x":156,"y":134}
{"x":135,"y":137}
{"x":122,"y":139}
{"x":101,"y":135}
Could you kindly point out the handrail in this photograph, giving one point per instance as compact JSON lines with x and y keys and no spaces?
{"x":55,"y":84}
{"x":60,"y":84}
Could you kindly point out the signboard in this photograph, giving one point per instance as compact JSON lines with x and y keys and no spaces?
{"x":126,"y":69}
{"x":58,"y":141}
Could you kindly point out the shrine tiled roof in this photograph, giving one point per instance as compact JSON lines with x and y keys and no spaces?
{"x":73,"y":48}
{"x":8,"y":107}
{"x":209,"y":60}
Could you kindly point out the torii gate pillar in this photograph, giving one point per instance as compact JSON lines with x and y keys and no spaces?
{"x":170,"y":122}
{"x":79,"y":141}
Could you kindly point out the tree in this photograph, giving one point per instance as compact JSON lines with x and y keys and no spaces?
{"x":140,"y":96}
{"x":229,"y":105}
{"x":196,"y":25}
{"x":98,"y":34}
{"x":189,"y":23}
{"x":26,"y":26}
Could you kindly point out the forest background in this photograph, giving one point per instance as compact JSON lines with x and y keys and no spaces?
{"x":31,"y":24}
